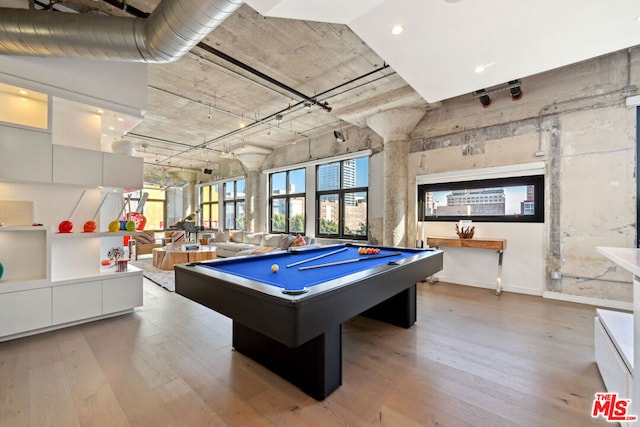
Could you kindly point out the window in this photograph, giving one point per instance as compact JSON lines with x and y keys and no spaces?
{"x":209,"y":212}
{"x":515,"y":199}
{"x":287,"y":201}
{"x":154,"y":209}
{"x":342,"y":199}
{"x":234,"y":214}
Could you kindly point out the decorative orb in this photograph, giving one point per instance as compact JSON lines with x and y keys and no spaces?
{"x":65,"y":227}
{"x":114,"y":226}
{"x":90,"y":226}
{"x":131,"y":226}
{"x":275,"y":268}
{"x":1,"y":270}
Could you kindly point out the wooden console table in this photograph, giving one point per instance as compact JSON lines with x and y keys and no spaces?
{"x":499,"y":245}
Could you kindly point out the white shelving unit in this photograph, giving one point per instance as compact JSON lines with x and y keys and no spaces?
{"x":52,"y":153}
{"x":54,"y":280}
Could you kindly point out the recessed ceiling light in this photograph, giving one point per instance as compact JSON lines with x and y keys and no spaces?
{"x":100,"y":111}
{"x":23,"y":92}
{"x":638,"y":18}
{"x":397,"y":29}
{"x":23,"y":99}
{"x":479,"y":69}
{"x":120,"y":119}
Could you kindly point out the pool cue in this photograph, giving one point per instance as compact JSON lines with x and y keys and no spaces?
{"x":316,"y":257}
{"x":329,"y":264}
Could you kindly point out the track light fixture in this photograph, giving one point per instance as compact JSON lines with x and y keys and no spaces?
{"x":338,"y":135}
{"x":483,"y":97}
{"x":515,"y":90}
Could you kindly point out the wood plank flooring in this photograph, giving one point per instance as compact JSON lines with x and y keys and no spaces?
{"x":473,"y":359}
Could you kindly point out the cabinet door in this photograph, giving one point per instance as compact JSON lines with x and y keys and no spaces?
{"x":123,"y":293}
{"x":26,"y":155}
{"x":121,"y":171}
{"x":25,"y":311}
{"x":77,"y":166}
{"x":76,"y":302}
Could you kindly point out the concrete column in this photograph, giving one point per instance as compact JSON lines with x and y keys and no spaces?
{"x":395,"y":126}
{"x":255,"y":220}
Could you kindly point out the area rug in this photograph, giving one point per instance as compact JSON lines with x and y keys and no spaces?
{"x":164,"y":278}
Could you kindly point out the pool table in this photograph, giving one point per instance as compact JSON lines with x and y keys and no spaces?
{"x":290,"y":320}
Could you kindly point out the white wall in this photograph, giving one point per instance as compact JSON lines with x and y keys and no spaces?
{"x":523,"y":259}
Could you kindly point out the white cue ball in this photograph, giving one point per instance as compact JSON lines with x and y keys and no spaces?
{"x":275,"y":268}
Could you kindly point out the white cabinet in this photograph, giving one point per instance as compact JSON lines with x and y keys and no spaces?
{"x":76,"y":302}
{"x":77,"y":166}
{"x":121,"y":294}
{"x":26,"y":155}
{"x":25,"y":310}
{"x":121,"y":171}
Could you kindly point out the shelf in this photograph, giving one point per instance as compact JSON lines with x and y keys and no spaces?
{"x":105,"y":273}
{"x":81,"y":235}
{"x":16,"y":285}
{"x":23,"y":228}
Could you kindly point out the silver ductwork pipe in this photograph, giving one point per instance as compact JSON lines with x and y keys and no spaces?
{"x":171,"y":30}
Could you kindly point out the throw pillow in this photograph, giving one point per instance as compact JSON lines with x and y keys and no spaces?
{"x":298,"y":241}
{"x":221,"y":236}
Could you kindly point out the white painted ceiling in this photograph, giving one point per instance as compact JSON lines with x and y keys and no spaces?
{"x":444,"y":41}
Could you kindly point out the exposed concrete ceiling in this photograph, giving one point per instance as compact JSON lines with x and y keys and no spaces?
{"x":201,"y":99}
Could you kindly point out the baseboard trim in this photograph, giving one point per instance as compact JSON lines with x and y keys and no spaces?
{"x":598,"y":302}
{"x":474,"y":284}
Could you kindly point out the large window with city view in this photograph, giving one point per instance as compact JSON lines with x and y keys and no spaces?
{"x":287,"y":201}
{"x":234,"y":205}
{"x":154,"y":208}
{"x":516,"y":199}
{"x":342,"y":193}
{"x":209,"y":212}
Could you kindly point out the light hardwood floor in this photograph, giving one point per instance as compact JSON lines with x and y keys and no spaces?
{"x":473,"y":359}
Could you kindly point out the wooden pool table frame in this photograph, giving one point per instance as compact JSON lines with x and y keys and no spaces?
{"x":300,"y":337}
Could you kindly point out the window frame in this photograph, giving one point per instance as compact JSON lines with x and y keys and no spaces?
{"x":287,"y":199}
{"x":341,"y":192}
{"x":211,"y":204}
{"x":235,"y":201}
{"x":536,"y":180}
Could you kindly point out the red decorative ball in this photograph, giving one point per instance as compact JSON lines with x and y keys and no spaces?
{"x":65,"y":227}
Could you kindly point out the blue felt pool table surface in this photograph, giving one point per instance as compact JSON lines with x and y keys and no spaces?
{"x":258,"y":267}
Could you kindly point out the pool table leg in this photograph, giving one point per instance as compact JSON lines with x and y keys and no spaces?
{"x":399,"y":310}
{"x":315,"y":366}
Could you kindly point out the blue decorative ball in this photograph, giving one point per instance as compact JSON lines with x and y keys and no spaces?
{"x":1,"y":270}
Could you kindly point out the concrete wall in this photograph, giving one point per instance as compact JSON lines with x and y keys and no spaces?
{"x":587,"y":141}
{"x":574,"y":120}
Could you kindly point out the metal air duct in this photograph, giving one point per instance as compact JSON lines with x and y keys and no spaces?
{"x":170,"y":31}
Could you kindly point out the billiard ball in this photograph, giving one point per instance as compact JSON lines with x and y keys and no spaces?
{"x":275,"y":268}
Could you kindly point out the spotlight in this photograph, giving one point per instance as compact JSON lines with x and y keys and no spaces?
{"x":515,"y":90}
{"x":339,"y":136}
{"x":207,"y":171}
{"x":484,"y":98}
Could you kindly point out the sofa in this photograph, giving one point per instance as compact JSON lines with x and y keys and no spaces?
{"x":240,"y":243}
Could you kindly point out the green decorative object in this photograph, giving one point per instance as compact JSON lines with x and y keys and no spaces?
{"x":1,"y":270}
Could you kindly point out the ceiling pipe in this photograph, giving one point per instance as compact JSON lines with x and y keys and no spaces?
{"x":171,"y":30}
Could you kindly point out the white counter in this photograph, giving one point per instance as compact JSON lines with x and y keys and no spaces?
{"x":627,"y":258}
